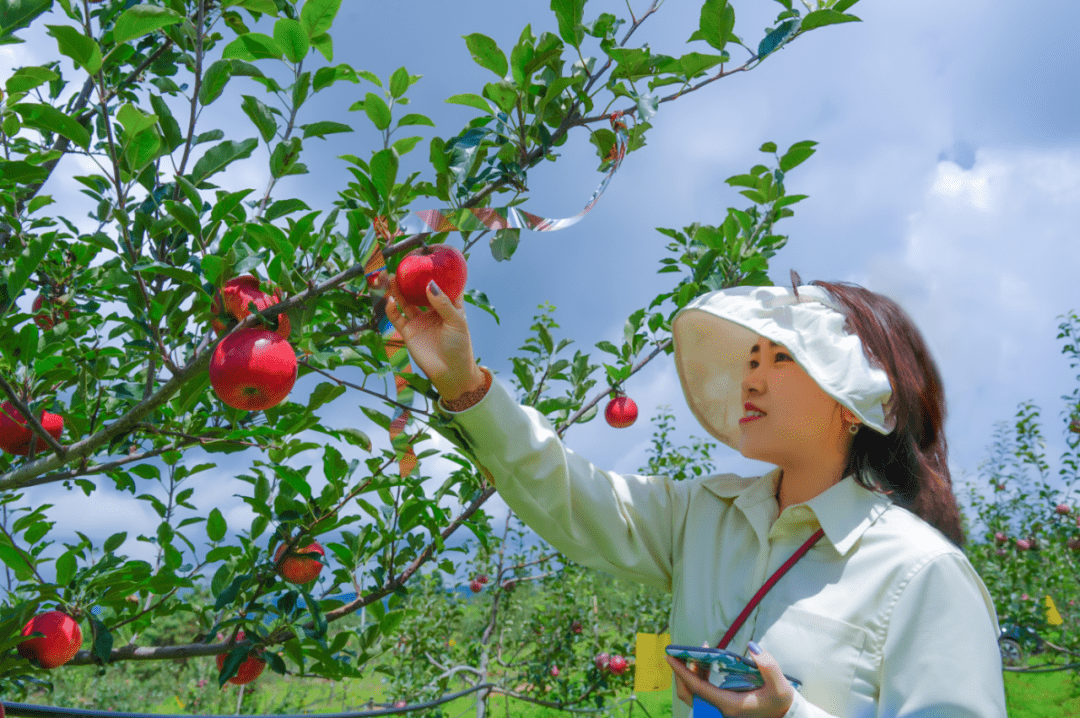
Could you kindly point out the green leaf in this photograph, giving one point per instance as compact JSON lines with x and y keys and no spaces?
{"x":284,"y":207}
{"x":414,"y":119}
{"x":185,"y":216}
{"x":135,"y":120}
{"x":502,"y":94}
{"x":27,"y":263}
{"x":17,"y":14}
{"x":27,"y":78}
{"x":399,"y":83}
{"x":318,"y":15}
{"x":777,"y":38}
{"x":717,"y":22}
{"x":182,"y":276}
{"x":694,"y":62}
{"x":213,"y":267}
{"x":264,"y":6}
{"x":103,"y":642}
{"x":65,"y":568}
{"x":28,"y":344}
{"x":569,"y":14}
{"x":505,"y":244}
{"x":46,"y":117}
{"x":221,"y":156}
{"x":797,"y":154}
{"x":142,"y":20}
{"x":291,"y":38}
{"x":321,"y":129}
{"x":229,"y":594}
{"x":142,"y":149}
{"x":377,"y":111}
{"x":14,"y":560}
{"x":80,"y":48}
{"x":821,"y":18}
{"x":253,"y":46}
{"x":326,"y":76}
{"x":406,"y":144}
{"x":324,"y":393}
{"x":22,"y":172}
{"x":325,"y":45}
{"x":384,"y":167}
{"x":486,"y":53}
{"x":219,"y":74}
{"x":114,"y":542}
{"x":471,"y":101}
{"x":261,"y":115}
{"x":215,"y":525}
{"x":296,"y":480}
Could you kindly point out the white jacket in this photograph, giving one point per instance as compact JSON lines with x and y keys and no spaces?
{"x":884,"y":617}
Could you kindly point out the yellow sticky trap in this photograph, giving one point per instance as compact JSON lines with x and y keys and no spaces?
{"x":1052,"y":615}
{"x":182,"y":706}
{"x":651,"y":671}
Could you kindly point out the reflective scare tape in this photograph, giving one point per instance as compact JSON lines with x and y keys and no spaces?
{"x":434,"y":221}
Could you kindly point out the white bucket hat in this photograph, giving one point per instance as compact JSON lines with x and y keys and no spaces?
{"x":713,"y":336}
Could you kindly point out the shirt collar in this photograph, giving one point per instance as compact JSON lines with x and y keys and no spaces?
{"x":845,"y":510}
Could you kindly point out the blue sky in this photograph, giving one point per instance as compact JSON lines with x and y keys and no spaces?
{"x":947,"y":177}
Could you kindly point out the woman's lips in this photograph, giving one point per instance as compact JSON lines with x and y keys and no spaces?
{"x":748,"y":418}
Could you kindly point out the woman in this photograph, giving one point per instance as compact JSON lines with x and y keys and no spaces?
{"x":880,"y":614}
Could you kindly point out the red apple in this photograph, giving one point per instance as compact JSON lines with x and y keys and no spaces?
{"x":15,"y":435}
{"x":482,"y":578}
{"x":1023,"y":544}
{"x":298,"y":569}
{"x":253,"y":369}
{"x":61,"y":641}
{"x":248,"y":671}
{"x":602,"y":661}
{"x":1000,"y":537}
{"x":442,"y":263}
{"x":46,"y":319}
{"x":476,"y":586}
{"x":617,"y":665}
{"x":576,"y":627}
{"x":554,"y":671}
{"x":621,"y":412}
{"x":232,"y":303}
{"x":1063,"y":509}
{"x":1073,"y":544}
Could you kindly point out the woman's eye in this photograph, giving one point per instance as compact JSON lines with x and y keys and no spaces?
{"x":782,"y":354}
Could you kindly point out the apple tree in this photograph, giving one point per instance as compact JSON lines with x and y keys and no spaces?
{"x":1026,"y":544}
{"x":142,"y":347}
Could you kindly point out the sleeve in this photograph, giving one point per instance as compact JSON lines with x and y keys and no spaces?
{"x":622,"y":525}
{"x":941,"y":656}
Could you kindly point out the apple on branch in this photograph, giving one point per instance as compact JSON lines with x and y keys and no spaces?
{"x":248,"y":671}
{"x":621,"y":411}
{"x":442,"y":263}
{"x":253,"y":369}
{"x":15,"y":435}
{"x":301,"y":565}
{"x":46,"y":319}
{"x":59,"y":643}
{"x":231,"y":304}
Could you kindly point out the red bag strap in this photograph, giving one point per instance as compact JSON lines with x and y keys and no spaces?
{"x":765,"y":589}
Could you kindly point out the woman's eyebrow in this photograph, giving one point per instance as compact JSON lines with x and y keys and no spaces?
{"x":754,"y":349}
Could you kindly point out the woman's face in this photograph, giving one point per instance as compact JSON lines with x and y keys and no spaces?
{"x":801,"y":422}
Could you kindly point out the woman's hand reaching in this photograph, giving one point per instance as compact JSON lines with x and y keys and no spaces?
{"x":438,"y":340}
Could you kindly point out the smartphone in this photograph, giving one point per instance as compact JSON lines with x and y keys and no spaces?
{"x":735,"y":673}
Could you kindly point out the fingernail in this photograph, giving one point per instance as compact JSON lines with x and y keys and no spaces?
{"x":434,"y":288}
{"x":755,"y":648}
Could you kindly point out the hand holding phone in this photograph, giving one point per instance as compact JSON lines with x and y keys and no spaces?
{"x":736,"y":673}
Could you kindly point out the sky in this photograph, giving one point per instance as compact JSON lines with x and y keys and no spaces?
{"x":947,"y":177}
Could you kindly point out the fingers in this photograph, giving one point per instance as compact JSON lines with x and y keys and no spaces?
{"x":449,"y":311}
{"x":400,"y":305}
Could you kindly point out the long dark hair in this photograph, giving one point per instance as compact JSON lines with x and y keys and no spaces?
{"x":911,"y":461}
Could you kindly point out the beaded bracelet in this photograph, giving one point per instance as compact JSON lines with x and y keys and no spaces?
{"x":469,"y":398}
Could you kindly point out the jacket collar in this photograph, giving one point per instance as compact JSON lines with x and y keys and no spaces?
{"x":845,"y":510}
